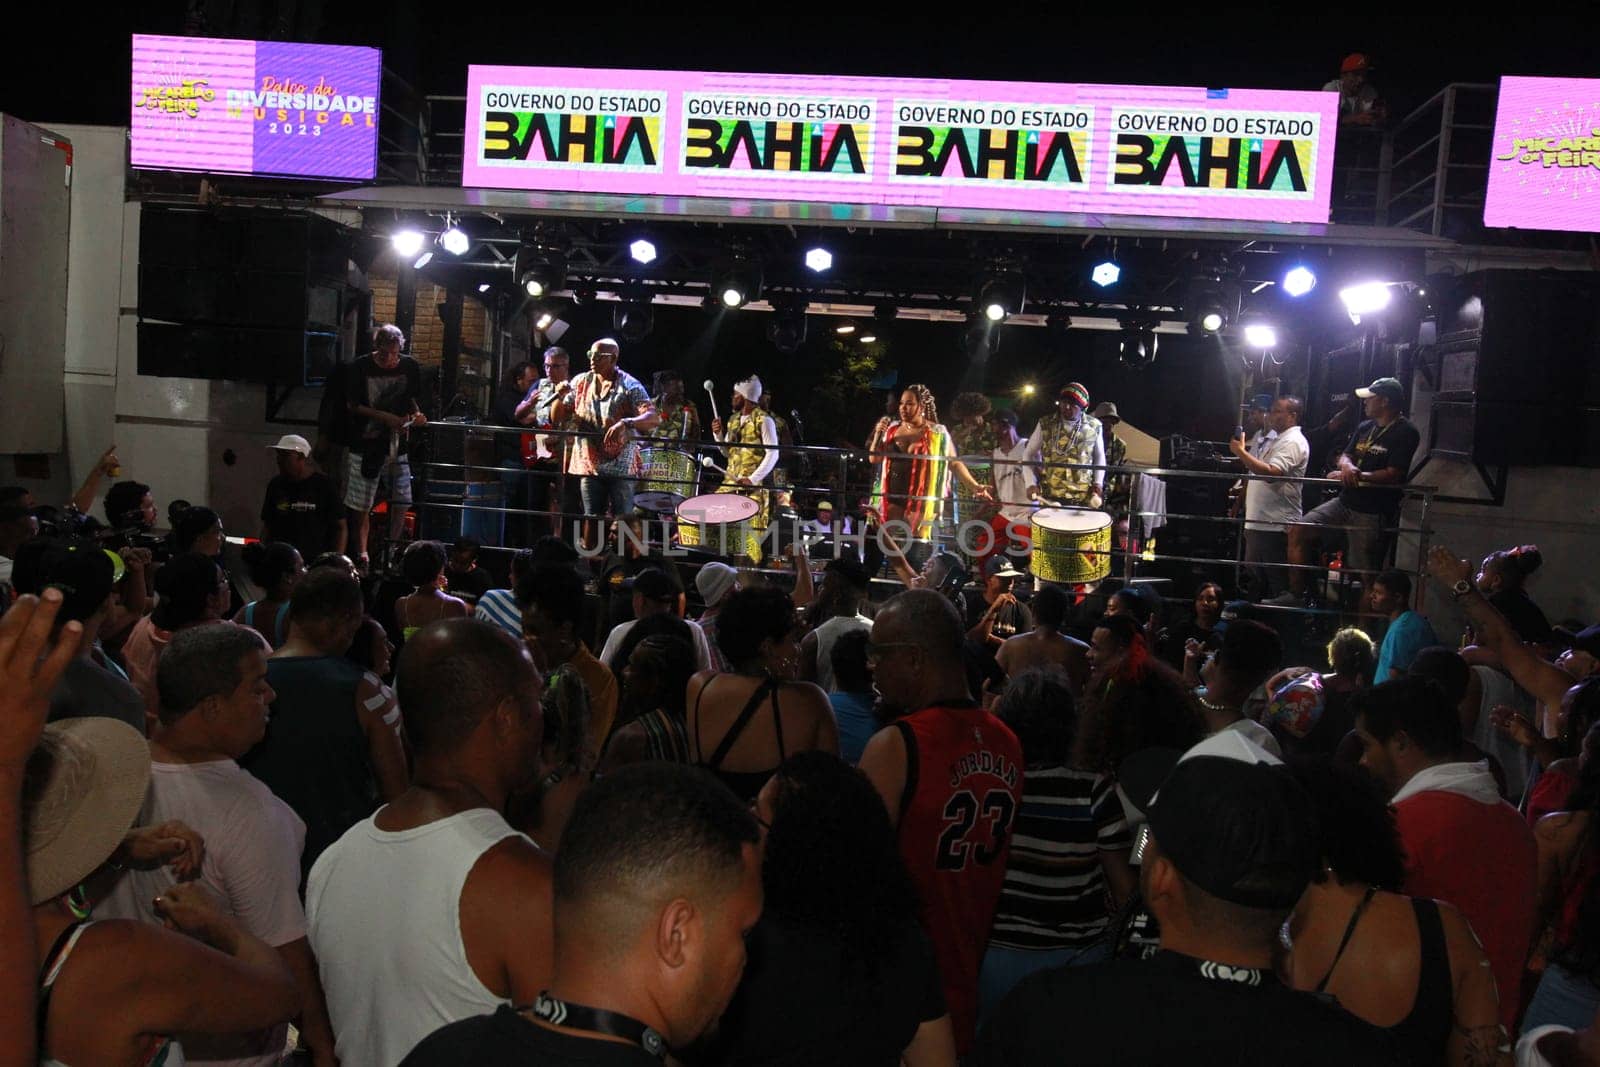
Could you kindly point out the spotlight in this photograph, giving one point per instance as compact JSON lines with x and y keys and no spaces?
{"x":1000,"y":293}
{"x":1029,"y":389}
{"x":1106,"y":274}
{"x":845,"y":328}
{"x":407,"y":243}
{"x":870,"y":336}
{"x":1365,"y":299}
{"x":819,"y":260}
{"x":736,"y":282}
{"x":483,"y":287}
{"x":1211,"y":296}
{"x":544,"y":319}
{"x":1137,"y":345}
{"x":1299,"y":281}
{"x":633,"y":319}
{"x":541,"y":269}
{"x":787,"y":330}
{"x":642,"y":251}
{"x":455,"y":241}
{"x":422,"y":260}
{"x":1261,"y":335}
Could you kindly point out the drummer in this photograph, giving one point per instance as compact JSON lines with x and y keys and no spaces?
{"x":749,"y":464}
{"x":680,"y":419}
{"x":1015,"y":486}
{"x":1070,"y":436}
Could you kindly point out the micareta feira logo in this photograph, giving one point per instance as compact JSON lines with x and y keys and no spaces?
{"x":255,"y":107}
{"x":1544,"y":172}
{"x":1217,"y":151}
{"x":985,"y":142}
{"x":754,"y":135}
{"x":562,"y":127}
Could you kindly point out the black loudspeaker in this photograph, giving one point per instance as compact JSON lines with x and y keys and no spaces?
{"x":1518,"y":364}
{"x":243,"y":295}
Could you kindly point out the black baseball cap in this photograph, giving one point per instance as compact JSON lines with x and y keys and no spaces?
{"x":653,"y":583}
{"x":1244,"y":832}
{"x":1584,"y":640}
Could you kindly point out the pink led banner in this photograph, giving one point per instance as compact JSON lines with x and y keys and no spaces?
{"x":1020,"y":146}
{"x":1544,"y":170}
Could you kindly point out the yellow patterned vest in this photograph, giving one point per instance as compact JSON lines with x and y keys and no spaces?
{"x":744,"y":429}
{"x":1064,"y":442}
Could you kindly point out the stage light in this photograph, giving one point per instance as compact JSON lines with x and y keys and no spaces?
{"x":1299,"y":281}
{"x":544,"y":319}
{"x":1211,"y":320}
{"x":868,"y":337}
{"x":819,"y":260}
{"x":1001,"y":293}
{"x":845,"y":328}
{"x":1138,"y":343}
{"x":484,"y":287}
{"x":541,"y":269}
{"x":736,"y":281}
{"x":423,"y":260}
{"x":634,"y":319}
{"x":407,"y":243}
{"x":1261,"y":335}
{"x":455,"y":241}
{"x":1029,"y":389}
{"x":787,"y":330}
{"x":1106,"y":274}
{"x":642,"y":251}
{"x":1365,"y":299}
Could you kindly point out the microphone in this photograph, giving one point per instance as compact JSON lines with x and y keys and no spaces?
{"x":799,"y":427}
{"x":710,"y":388}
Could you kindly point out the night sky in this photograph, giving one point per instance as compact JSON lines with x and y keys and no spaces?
{"x":432,"y":44}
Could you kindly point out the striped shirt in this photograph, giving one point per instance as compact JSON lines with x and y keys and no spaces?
{"x":500,"y":607}
{"x":1055,"y":888}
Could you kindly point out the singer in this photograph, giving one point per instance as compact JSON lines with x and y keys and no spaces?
{"x":749,"y":463}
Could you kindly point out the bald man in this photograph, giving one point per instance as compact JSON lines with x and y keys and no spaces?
{"x":435,"y":909}
{"x":951,"y":776}
{"x":657,"y":884}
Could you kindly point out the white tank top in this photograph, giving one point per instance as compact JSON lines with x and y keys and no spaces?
{"x":827,"y":634}
{"x":383,"y":915}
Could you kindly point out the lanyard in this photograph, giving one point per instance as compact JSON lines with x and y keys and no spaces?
{"x":598,"y":1021}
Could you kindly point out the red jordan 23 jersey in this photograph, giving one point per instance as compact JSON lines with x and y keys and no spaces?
{"x":963,"y":791}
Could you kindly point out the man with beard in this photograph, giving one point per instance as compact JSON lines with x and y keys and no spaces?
{"x":611,"y":406}
{"x":951,"y":776}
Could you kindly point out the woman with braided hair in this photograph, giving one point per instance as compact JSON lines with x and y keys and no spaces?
{"x":914,"y":471}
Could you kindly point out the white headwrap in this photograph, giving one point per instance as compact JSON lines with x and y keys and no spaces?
{"x":750,"y":389}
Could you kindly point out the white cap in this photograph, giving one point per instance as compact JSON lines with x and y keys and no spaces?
{"x":750,"y":389}
{"x":291,"y":442}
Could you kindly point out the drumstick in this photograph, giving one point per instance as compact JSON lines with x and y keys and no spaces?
{"x":711,"y":465}
{"x":710,"y":388}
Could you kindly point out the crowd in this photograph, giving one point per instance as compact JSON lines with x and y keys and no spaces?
{"x":624,"y":808}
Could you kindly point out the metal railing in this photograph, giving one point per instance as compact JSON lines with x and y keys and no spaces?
{"x":461,"y":455}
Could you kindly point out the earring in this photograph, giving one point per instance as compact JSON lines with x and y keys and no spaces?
{"x":78,"y":902}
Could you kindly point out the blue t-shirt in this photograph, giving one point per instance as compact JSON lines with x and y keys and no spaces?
{"x":852,"y":712}
{"x":1408,"y":635}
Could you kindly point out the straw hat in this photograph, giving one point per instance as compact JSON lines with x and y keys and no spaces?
{"x":86,"y":784}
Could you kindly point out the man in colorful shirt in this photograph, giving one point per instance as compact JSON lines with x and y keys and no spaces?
{"x":610,"y":405}
{"x":747,"y":431}
{"x":974,"y":439}
{"x":680,"y":419}
{"x":1070,"y":436}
